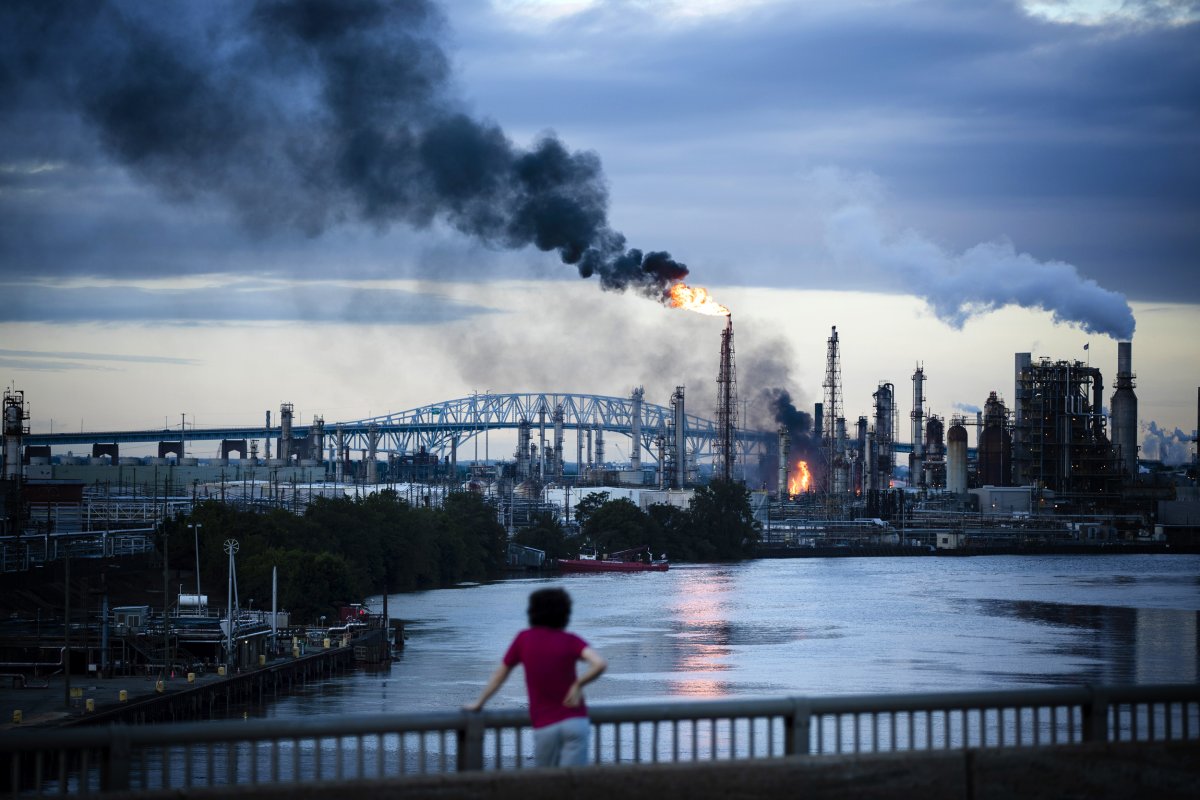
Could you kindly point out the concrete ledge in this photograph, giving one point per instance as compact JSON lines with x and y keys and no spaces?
{"x":1161,"y":771}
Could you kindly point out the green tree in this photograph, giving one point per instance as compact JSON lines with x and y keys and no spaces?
{"x":588,"y":505}
{"x":720,"y":516}
{"x":618,"y":525}
{"x":676,"y":538}
{"x":548,"y":535}
{"x":475,"y":534}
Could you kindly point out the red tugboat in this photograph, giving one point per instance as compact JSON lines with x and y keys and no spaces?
{"x":635,"y":559}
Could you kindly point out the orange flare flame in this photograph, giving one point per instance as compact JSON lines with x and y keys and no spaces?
{"x":800,"y":482}
{"x":694,"y":298}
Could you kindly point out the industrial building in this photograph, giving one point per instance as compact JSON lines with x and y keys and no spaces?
{"x":1050,"y":439}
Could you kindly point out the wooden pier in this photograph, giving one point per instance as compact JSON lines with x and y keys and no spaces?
{"x":212,"y":699}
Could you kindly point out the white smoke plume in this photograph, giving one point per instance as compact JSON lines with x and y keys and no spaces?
{"x":958,"y":286}
{"x":1169,"y":447}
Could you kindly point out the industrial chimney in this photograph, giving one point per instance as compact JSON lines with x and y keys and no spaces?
{"x":1124,"y":411}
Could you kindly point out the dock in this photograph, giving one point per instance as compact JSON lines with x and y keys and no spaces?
{"x":42,"y":702}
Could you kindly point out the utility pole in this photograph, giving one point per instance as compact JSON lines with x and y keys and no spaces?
{"x":67,"y":629}
{"x":166,"y":590}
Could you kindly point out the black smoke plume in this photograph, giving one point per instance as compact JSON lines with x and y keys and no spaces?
{"x":804,"y":443}
{"x":310,"y":113}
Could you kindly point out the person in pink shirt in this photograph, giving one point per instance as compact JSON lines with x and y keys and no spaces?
{"x":549,"y":655}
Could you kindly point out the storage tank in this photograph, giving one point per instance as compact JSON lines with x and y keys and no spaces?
{"x":956,"y":459}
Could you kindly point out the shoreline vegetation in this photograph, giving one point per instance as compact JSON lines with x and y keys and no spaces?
{"x":346,"y":549}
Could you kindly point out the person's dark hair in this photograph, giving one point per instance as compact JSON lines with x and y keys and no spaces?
{"x":549,"y":608}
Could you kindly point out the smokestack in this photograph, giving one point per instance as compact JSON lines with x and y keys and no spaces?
{"x":785,"y":441}
{"x":1124,"y":409}
{"x":1125,"y":359}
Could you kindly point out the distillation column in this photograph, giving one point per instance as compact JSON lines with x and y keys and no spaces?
{"x":524,"y":437}
{"x":369,"y":469}
{"x":558,"y":442}
{"x":542,"y":445}
{"x":916,"y":465}
{"x":679,"y":438}
{"x":15,"y":415}
{"x":285,"y":432}
{"x":833,"y":406}
{"x":339,"y":462}
{"x":784,"y":454}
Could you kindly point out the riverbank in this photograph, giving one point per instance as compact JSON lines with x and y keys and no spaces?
{"x":1065,"y":549}
{"x":44,"y":702}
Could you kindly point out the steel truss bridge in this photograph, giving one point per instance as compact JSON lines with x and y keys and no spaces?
{"x":439,"y":427}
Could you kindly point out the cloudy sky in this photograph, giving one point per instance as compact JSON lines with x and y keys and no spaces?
{"x":362,"y":207}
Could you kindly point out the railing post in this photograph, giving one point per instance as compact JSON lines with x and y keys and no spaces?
{"x":114,"y":776}
{"x":470,"y":742}
{"x":798,"y":728}
{"x":1095,"y":717}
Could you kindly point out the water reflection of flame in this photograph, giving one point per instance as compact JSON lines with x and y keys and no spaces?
{"x":703,"y":637}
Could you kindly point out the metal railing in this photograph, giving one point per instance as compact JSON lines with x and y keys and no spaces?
{"x":120,"y":757}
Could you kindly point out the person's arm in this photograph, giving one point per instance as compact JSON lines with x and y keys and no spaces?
{"x":596,"y":667}
{"x":497,"y":680}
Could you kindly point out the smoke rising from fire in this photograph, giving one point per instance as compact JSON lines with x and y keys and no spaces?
{"x":959,"y":286}
{"x":311,"y":114}
{"x":803,"y":442}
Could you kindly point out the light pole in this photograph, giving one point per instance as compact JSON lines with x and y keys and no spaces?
{"x":231,"y":548}
{"x":196,"y":526}
{"x":166,"y":540}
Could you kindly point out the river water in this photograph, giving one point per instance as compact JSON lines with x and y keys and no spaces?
{"x":805,"y":626}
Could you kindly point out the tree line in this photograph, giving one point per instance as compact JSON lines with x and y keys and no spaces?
{"x":717,"y":525}
{"x":343,"y":549}
{"x":340,"y":550}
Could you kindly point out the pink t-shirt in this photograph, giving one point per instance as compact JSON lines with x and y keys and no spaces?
{"x":549,"y":657}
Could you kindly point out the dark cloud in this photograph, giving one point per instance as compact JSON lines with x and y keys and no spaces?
{"x":306,"y":114}
{"x":1080,"y":143}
